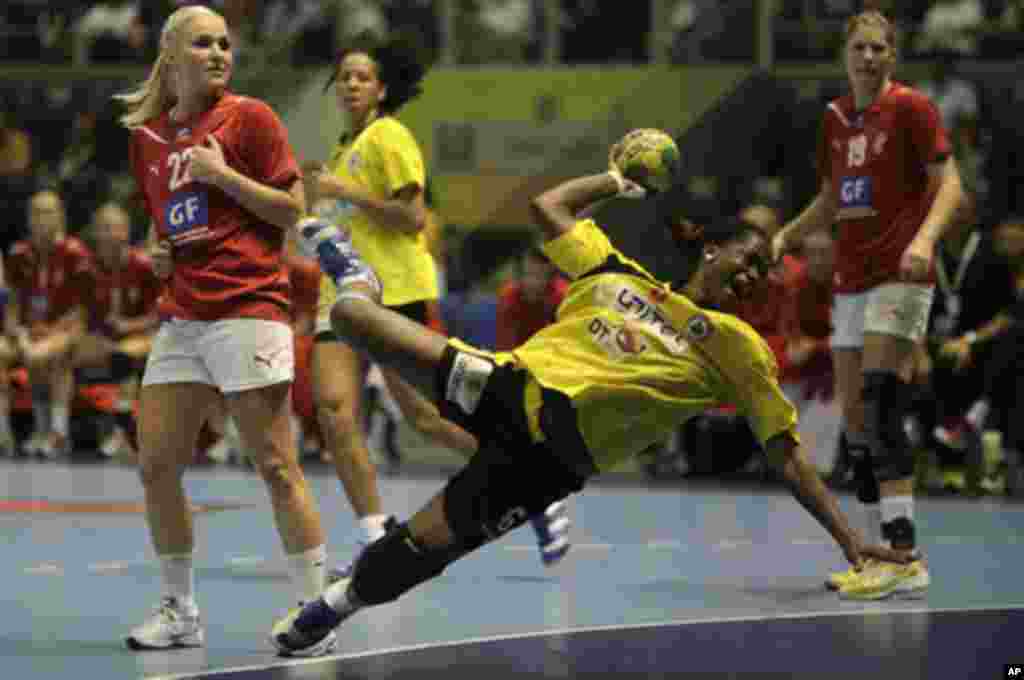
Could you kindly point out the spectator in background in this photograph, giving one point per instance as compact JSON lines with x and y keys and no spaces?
{"x":16,"y":171}
{"x":951,"y":25}
{"x":121,"y":310}
{"x":499,"y":31}
{"x":8,"y":359}
{"x":763,"y":310}
{"x":48,"y":272}
{"x":806,"y":325}
{"x":417,"y":24}
{"x":362,"y":18}
{"x":974,"y":288}
{"x":111,"y":32}
{"x":304,"y":26}
{"x":955,"y":96}
{"x":528,"y":302}
{"x":82,"y":179}
{"x":1004,"y":374}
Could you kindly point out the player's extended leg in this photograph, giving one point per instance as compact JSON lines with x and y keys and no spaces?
{"x":492,"y":495}
{"x":551,"y":527}
{"x":170,"y":416}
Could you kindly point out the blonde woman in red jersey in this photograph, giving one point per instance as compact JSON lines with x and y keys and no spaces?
{"x":222,"y":187}
{"x":890,"y":182}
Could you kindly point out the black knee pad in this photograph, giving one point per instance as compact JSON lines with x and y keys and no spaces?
{"x":395,"y":564}
{"x":886,"y":401}
{"x":868,"y":491}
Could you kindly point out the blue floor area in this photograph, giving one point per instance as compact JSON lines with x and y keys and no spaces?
{"x":673,"y":578}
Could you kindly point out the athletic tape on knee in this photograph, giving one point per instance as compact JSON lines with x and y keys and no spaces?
{"x":886,"y":400}
{"x":395,"y":564}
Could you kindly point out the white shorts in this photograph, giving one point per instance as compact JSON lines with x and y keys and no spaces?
{"x":232,"y":355}
{"x":899,"y":309}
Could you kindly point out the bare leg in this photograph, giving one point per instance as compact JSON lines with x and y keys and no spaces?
{"x":337,"y":384}
{"x":169,"y":420}
{"x":264,"y":421}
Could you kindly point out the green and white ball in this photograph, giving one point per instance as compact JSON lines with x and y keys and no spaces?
{"x":647,"y":156}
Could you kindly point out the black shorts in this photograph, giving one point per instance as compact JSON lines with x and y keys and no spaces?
{"x":511,"y":477}
{"x":417,"y":311}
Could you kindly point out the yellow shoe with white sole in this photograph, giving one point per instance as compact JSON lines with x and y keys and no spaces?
{"x":838,"y":579}
{"x":882,"y":580}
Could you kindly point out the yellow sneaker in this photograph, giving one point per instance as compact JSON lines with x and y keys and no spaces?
{"x":886,"y":579}
{"x":838,"y":579}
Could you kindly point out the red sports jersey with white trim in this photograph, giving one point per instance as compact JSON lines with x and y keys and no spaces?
{"x":130,"y":292}
{"x":227,"y":261}
{"x":46,"y":291}
{"x":876,"y":161}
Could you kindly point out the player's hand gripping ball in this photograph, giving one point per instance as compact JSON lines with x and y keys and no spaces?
{"x":647,"y":156}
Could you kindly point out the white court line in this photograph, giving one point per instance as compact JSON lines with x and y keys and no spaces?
{"x":877,"y":610}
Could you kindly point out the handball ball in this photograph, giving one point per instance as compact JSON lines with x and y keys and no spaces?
{"x":647,"y":156}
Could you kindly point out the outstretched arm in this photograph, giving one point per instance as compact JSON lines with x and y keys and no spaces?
{"x":806,"y":486}
{"x":558,"y":209}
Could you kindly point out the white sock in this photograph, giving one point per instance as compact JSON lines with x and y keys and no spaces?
{"x":872,"y":522}
{"x":336,"y":596}
{"x":894,"y":507}
{"x":41,"y":410}
{"x":978,"y":414}
{"x":179,"y":579}
{"x":59,"y":415}
{"x":307,"y":570}
{"x":373,"y":526}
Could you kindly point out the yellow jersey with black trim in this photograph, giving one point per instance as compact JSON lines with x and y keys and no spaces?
{"x":382,"y":159}
{"x":637,"y":359}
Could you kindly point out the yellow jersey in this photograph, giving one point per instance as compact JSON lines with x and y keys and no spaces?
{"x":383,"y":158}
{"x":637,"y":359}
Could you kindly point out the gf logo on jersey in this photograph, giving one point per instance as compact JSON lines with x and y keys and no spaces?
{"x":855,"y":192}
{"x":186,"y":211}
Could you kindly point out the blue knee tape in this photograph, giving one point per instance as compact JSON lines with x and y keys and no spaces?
{"x":886,"y":402}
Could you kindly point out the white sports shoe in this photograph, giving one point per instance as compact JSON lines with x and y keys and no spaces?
{"x":171,"y":625}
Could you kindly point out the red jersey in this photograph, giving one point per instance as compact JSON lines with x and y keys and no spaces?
{"x":807,"y":313}
{"x":876,"y":161}
{"x":130,"y":292}
{"x":304,"y":275}
{"x":47,"y":291}
{"x":227,"y":261}
{"x":518,"y":319}
{"x":764,"y":309}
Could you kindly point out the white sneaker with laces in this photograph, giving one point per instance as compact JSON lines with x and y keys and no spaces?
{"x":173,"y":624}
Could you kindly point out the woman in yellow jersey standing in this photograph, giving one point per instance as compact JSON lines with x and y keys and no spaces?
{"x":626,"y":360}
{"x":373,"y":188}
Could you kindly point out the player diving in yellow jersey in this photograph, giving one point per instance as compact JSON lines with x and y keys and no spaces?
{"x":626,"y":361}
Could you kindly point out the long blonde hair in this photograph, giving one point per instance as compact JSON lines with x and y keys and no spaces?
{"x":153,"y":96}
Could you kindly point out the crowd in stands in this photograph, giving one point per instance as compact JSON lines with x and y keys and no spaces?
{"x":63,"y":141}
{"x":513,"y":31}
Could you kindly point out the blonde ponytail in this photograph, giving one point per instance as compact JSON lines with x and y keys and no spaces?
{"x":154,"y":95}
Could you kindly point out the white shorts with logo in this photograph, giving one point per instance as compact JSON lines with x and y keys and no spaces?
{"x":232,"y":355}
{"x":899,"y":309}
